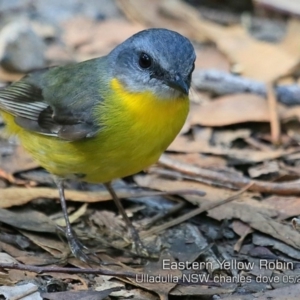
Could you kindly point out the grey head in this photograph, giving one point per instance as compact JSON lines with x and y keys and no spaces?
{"x":156,"y":60}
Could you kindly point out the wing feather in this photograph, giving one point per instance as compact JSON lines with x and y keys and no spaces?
{"x":47,"y":107}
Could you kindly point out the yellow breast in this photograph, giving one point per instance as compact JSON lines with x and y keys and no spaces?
{"x":135,"y":129}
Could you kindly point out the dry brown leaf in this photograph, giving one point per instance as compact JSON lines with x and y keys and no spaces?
{"x":68,"y":277}
{"x":79,"y":295}
{"x":110,"y":33}
{"x":22,"y":291}
{"x":198,"y":290}
{"x":231,"y":109}
{"x":97,"y":38}
{"x":16,"y":196}
{"x":203,"y":161}
{"x":55,"y":247}
{"x":18,"y":161}
{"x":286,"y":207}
{"x":156,"y":16}
{"x":20,"y":275}
{"x":12,"y":250}
{"x":37,"y":260}
{"x":58,"y":54}
{"x":288,"y":6}
{"x":8,"y":76}
{"x":78,"y":31}
{"x":28,"y":220}
{"x":240,"y":227}
{"x":109,"y":220}
{"x":185,"y":145}
{"x":238,"y":108}
{"x":155,"y":268}
{"x":74,"y":216}
{"x":291,"y":41}
{"x":257,"y":59}
{"x":290,"y":292}
{"x":211,"y":58}
{"x":291,"y":113}
{"x":241,"y":48}
{"x":6,"y":258}
{"x":257,"y":214}
{"x":266,"y":168}
{"x":226,"y":138}
{"x":259,"y":239}
{"x":257,"y":219}
{"x":212,"y":193}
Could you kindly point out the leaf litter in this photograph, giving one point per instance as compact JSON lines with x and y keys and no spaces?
{"x":240,"y":146}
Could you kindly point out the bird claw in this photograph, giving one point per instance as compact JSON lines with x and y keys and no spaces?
{"x":79,"y":250}
{"x":137,"y":245}
{"x":83,"y":253}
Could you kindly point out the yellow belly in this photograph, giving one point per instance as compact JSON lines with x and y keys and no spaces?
{"x":135,"y":129}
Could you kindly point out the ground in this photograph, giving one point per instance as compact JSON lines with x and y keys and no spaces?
{"x":218,"y":212}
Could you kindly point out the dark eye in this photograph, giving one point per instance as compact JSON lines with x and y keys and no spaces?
{"x":145,"y":61}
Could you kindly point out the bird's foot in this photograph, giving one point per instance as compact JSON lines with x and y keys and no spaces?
{"x":79,"y":250}
{"x":138,"y":247}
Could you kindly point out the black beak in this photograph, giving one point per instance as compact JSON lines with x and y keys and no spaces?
{"x":178,"y":84}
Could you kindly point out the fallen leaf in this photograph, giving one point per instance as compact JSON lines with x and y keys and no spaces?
{"x":27,"y":291}
{"x":201,"y":160}
{"x":74,"y":216}
{"x":211,"y":58}
{"x":6,"y":258}
{"x":225,"y":138}
{"x":21,"y":275}
{"x":15,"y":196}
{"x":290,"y":292}
{"x":267,"y":168}
{"x":80,"y":33}
{"x":162,"y":287}
{"x":9,"y":76}
{"x":108,"y":220}
{"x":286,"y":207}
{"x":291,"y":41}
{"x":267,"y":241}
{"x":239,"y":227}
{"x":200,"y":290}
{"x":74,"y":277}
{"x":257,"y":219}
{"x":56,"y":248}
{"x":237,"y":44}
{"x":288,"y":6}
{"x":186,"y":145}
{"x":27,"y":219}
{"x":19,"y":160}
{"x":79,"y":295}
{"x":231,"y":109}
{"x":156,"y":17}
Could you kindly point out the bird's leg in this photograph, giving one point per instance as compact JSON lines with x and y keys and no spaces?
{"x":137,"y":243}
{"x":75,"y":245}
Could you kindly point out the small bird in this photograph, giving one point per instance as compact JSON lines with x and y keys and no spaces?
{"x":104,"y":118}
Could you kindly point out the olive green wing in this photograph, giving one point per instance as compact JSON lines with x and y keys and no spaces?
{"x":58,"y":102}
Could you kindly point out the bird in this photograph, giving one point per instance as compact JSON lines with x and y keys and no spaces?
{"x":104,"y":118}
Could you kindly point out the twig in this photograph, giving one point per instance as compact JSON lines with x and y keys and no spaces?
{"x":258,"y":145}
{"x":36,"y":269}
{"x":223,"y":83}
{"x":233,"y":181}
{"x":164,"y":215}
{"x":238,"y":245}
{"x":193,"y":213}
{"x":274,"y":118}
